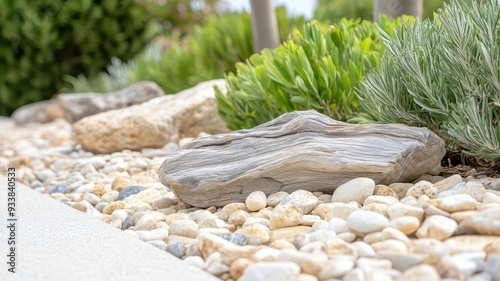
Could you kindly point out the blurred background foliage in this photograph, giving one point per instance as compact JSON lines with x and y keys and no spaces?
{"x":52,"y":46}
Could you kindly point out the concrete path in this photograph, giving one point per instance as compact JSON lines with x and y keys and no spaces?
{"x":55,"y":242}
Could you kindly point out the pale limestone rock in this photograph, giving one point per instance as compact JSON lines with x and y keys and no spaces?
{"x":298,"y":150}
{"x":357,"y":189}
{"x":285,"y":216}
{"x":276,"y":271}
{"x":423,"y":188}
{"x":187,"y":228}
{"x":437,"y":227}
{"x":208,"y":244}
{"x":256,"y":200}
{"x":274,"y":199}
{"x":420,"y":272}
{"x":153,"y":123}
{"x":257,"y":234}
{"x":401,"y":210}
{"x":457,"y":203}
{"x":308,"y":263}
{"x":405,"y":224}
{"x":301,"y":198}
{"x":486,"y":222}
{"x":339,"y":210}
{"x":366,"y":221}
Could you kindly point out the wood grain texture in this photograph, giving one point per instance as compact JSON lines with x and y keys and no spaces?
{"x":298,"y":150}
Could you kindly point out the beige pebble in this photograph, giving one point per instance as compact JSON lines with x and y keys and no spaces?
{"x":420,"y":272}
{"x":285,"y":216}
{"x":109,"y":209}
{"x":437,"y":227}
{"x":388,"y":200}
{"x":457,"y":203}
{"x":406,"y":224}
{"x":400,"y":188}
{"x":255,"y":201}
{"x":390,"y":246}
{"x":401,"y":210}
{"x":288,"y":233}
{"x":461,"y":216}
{"x":186,"y":228}
{"x":423,"y":188}
{"x":378,"y":208}
{"x":485,"y":222}
{"x":229,"y":209}
{"x":239,"y":266}
{"x":335,"y":210}
{"x":448,"y":182}
{"x":147,"y":222}
{"x":238,"y":218}
{"x":281,"y":244}
{"x":257,"y":234}
{"x":120,"y":183}
{"x":384,"y":190}
{"x":393,"y":233}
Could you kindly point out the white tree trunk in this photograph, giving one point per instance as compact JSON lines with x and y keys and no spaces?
{"x":264,"y":25}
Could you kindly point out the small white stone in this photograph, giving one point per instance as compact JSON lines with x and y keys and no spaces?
{"x":338,"y":225}
{"x":309,"y":263}
{"x":336,"y":268}
{"x":399,"y":210}
{"x":187,"y":228}
{"x":203,"y":218}
{"x":457,"y":203}
{"x":155,"y":234}
{"x":147,"y":222}
{"x":423,"y":188}
{"x":366,"y":221}
{"x":276,"y":271}
{"x":357,"y":189}
{"x":256,"y":200}
{"x":284,"y":216}
{"x":91,"y":198}
{"x":421,"y":272}
{"x":373,"y":263}
{"x":257,"y":234}
{"x":393,"y":233}
{"x":274,"y":199}
{"x":335,"y":210}
{"x":388,"y":200}
{"x":437,"y":227}
{"x":119,"y":214}
{"x":303,"y":199}
{"x":364,"y":249}
{"x":406,"y":224}
{"x":195,"y":261}
{"x":238,"y":218}
{"x":390,"y":246}
{"x":158,"y":244}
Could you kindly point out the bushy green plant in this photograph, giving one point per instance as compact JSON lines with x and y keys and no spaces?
{"x":318,"y":68}
{"x":334,"y":10}
{"x":209,"y":52}
{"x":443,"y":74}
{"x":42,"y":40}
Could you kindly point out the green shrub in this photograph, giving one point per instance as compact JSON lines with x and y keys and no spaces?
{"x":444,"y":74}
{"x":317,"y":69}
{"x":208,"y":53}
{"x":42,"y":40}
{"x":334,"y":10}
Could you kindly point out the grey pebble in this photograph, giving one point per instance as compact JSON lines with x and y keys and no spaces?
{"x":128,"y":222}
{"x":129,"y":190}
{"x":236,"y":238}
{"x":177,"y":249}
{"x":60,"y":188}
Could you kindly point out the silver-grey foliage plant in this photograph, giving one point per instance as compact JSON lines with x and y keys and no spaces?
{"x":443,"y":74}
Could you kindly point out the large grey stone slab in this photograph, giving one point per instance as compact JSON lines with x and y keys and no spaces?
{"x":55,"y":242}
{"x":298,"y":150}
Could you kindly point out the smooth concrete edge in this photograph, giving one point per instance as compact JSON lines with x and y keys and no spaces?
{"x":56,"y":242}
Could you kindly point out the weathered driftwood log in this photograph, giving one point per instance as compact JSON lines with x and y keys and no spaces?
{"x":298,"y":150}
{"x":77,"y":106}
